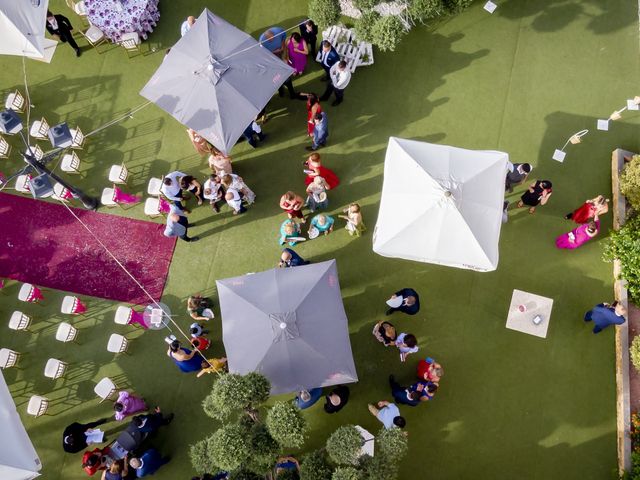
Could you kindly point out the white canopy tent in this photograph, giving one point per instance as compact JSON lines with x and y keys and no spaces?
{"x":441,"y":205}
{"x":18,"y":458}
{"x":22,"y":23}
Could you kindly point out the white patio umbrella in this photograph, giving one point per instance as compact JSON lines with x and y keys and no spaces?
{"x":22,"y":23}
{"x":441,"y":205}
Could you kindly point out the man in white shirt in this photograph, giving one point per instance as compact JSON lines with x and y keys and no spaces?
{"x":171,"y":187}
{"x":339,"y":77}
{"x":186,"y":25}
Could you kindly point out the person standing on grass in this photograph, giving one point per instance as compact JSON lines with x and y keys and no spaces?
{"x":430,"y":370}
{"x":517,"y":173}
{"x":337,"y":399}
{"x":407,"y":344}
{"x":170,"y":187}
{"x":292,"y":204}
{"x":403,"y":395}
{"x":320,"y":131}
{"x":605,"y":314}
{"x":538,"y":193}
{"x":339,"y":78}
{"x":61,"y":27}
{"x":186,"y":25}
{"x":289,"y":258}
{"x":148,"y":463}
{"x":410,"y":302}
{"x":128,"y":404}
{"x":151,"y":422}
{"x":328,"y":58}
{"x":74,"y":437}
{"x":307,"y":398}
{"x":274,"y":39}
{"x":388,"y":413}
{"x":589,"y":209}
{"x":309,"y":32}
{"x":178,"y":225}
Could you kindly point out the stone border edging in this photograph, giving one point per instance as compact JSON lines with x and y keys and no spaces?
{"x":623,"y":408}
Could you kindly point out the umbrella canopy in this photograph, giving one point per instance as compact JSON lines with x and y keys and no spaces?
{"x":18,"y":458}
{"x":215,"y":80}
{"x":441,"y":205}
{"x":22,"y":23}
{"x":288,"y":324}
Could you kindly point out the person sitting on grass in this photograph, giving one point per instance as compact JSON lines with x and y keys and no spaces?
{"x":323,"y":223}
{"x":95,"y":460}
{"x":214,"y":365}
{"x":289,"y":258}
{"x":425,"y":389}
{"x":128,"y":404}
{"x":198,"y":340}
{"x":307,"y":398}
{"x":406,"y":343}
{"x":290,"y":232}
{"x":196,"y":306}
{"x":355,"y":225}
{"x":385,"y":333}
{"x":388,"y":413}
{"x":430,"y":370}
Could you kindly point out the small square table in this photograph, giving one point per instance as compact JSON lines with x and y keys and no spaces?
{"x":533,"y":305}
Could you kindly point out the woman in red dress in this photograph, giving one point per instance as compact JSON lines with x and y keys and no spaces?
{"x":313,"y":107}
{"x":292,"y":204}
{"x":589,"y":209}
{"x":314,"y":169}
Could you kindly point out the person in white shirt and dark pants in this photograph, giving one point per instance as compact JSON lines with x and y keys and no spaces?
{"x":339,"y":77}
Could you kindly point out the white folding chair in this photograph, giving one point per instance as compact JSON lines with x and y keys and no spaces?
{"x":36,"y":152}
{"x":107,"y":197}
{"x":40,"y":129}
{"x":152,"y":207}
{"x":105,"y":388}
{"x":70,"y":163}
{"x":154,"y":186}
{"x":68,"y":304}
{"x":25,"y":292}
{"x":8,"y":358}
{"x":117,"y":344}
{"x":118,"y":174}
{"x":61,"y":192}
{"x":54,"y":368}
{"x":15,"y":101}
{"x":94,"y":36}
{"x":5,"y":148}
{"x":78,"y":7}
{"x":123,"y":315}
{"x":19,"y":321}
{"x":37,"y":405}
{"x":77,"y":137}
{"x":66,"y":333}
{"x":131,"y":43}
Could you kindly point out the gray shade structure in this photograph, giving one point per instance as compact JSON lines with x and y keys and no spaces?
{"x":288,"y":324}
{"x":215,"y":80}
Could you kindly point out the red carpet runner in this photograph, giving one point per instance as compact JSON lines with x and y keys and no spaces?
{"x":43,"y":244}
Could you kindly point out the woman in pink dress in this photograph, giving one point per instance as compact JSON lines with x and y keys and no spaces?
{"x":579,"y":235}
{"x":298,"y":52}
{"x":128,"y":404}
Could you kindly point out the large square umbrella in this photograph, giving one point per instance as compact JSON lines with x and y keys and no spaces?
{"x":288,"y":324}
{"x":215,"y":80}
{"x":441,"y":205}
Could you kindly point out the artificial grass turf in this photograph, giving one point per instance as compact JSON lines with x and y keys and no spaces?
{"x":521,"y":80}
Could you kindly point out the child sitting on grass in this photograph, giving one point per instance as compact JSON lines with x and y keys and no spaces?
{"x":323,"y":223}
{"x":355,"y":225}
{"x":215,"y":365}
{"x":290,"y":232}
{"x":407,"y":343}
{"x":198,"y":340}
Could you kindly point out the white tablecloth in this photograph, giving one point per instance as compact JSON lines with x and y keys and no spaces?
{"x":115,"y":17}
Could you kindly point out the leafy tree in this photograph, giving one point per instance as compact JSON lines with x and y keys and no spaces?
{"x":200,"y":456}
{"x":347,"y":473}
{"x":230,"y":447}
{"x":387,"y":32}
{"x":286,"y":425}
{"x":324,"y":12}
{"x":364,"y":25}
{"x":343,"y":446}
{"x":624,"y":245}
{"x":264,"y":450}
{"x":315,"y":466}
{"x":392,"y":443}
{"x":364,"y":5}
{"x":420,"y":11}
{"x":232,"y":393}
{"x":378,"y":468}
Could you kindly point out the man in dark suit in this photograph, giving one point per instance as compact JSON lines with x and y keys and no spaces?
{"x":74,"y":438}
{"x":410,"y":302}
{"x":60,"y":26}
{"x":309,"y":32}
{"x":328,"y":59}
{"x":151,"y":422}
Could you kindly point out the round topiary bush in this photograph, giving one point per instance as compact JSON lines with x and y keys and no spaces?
{"x":200,"y":456}
{"x":324,"y":12}
{"x":343,"y":446}
{"x":232,"y":393}
{"x":230,"y":447}
{"x":364,"y":5}
{"x":364,"y":25}
{"x":286,"y":425}
{"x":392,"y":443}
{"x":387,"y":32}
{"x":347,"y":473}
{"x":422,"y":10}
{"x":315,"y":466}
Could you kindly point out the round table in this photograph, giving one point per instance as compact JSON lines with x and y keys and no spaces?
{"x":147,"y":315}
{"x":116,"y":17}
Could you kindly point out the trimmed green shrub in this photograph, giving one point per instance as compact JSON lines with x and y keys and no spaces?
{"x":630,"y":182}
{"x":315,"y":466}
{"x":347,"y":473}
{"x":364,"y":25}
{"x":286,"y":424}
{"x":324,"y":12}
{"x":378,"y":468}
{"x":200,"y":456}
{"x":363,"y":5}
{"x":624,"y":245}
{"x":634,"y":352}
{"x":392,"y":444}
{"x":232,"y":393}
{"x":456,"y":6}
{"x":264,"y":450}
{"x":230,"y":447}
{"x":343,"y":446}
{"x":387,"y":32}
{"x":423,"y":10}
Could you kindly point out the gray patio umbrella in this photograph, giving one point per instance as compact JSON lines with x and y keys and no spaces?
{"x":288,"y":324}
{"x":215,"y":80}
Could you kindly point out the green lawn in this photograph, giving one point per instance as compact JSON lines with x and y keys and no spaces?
{"x":522,"y":81}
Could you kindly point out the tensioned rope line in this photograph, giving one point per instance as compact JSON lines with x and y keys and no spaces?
{"x":164,"y":312}
{"x":259,"y":44}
